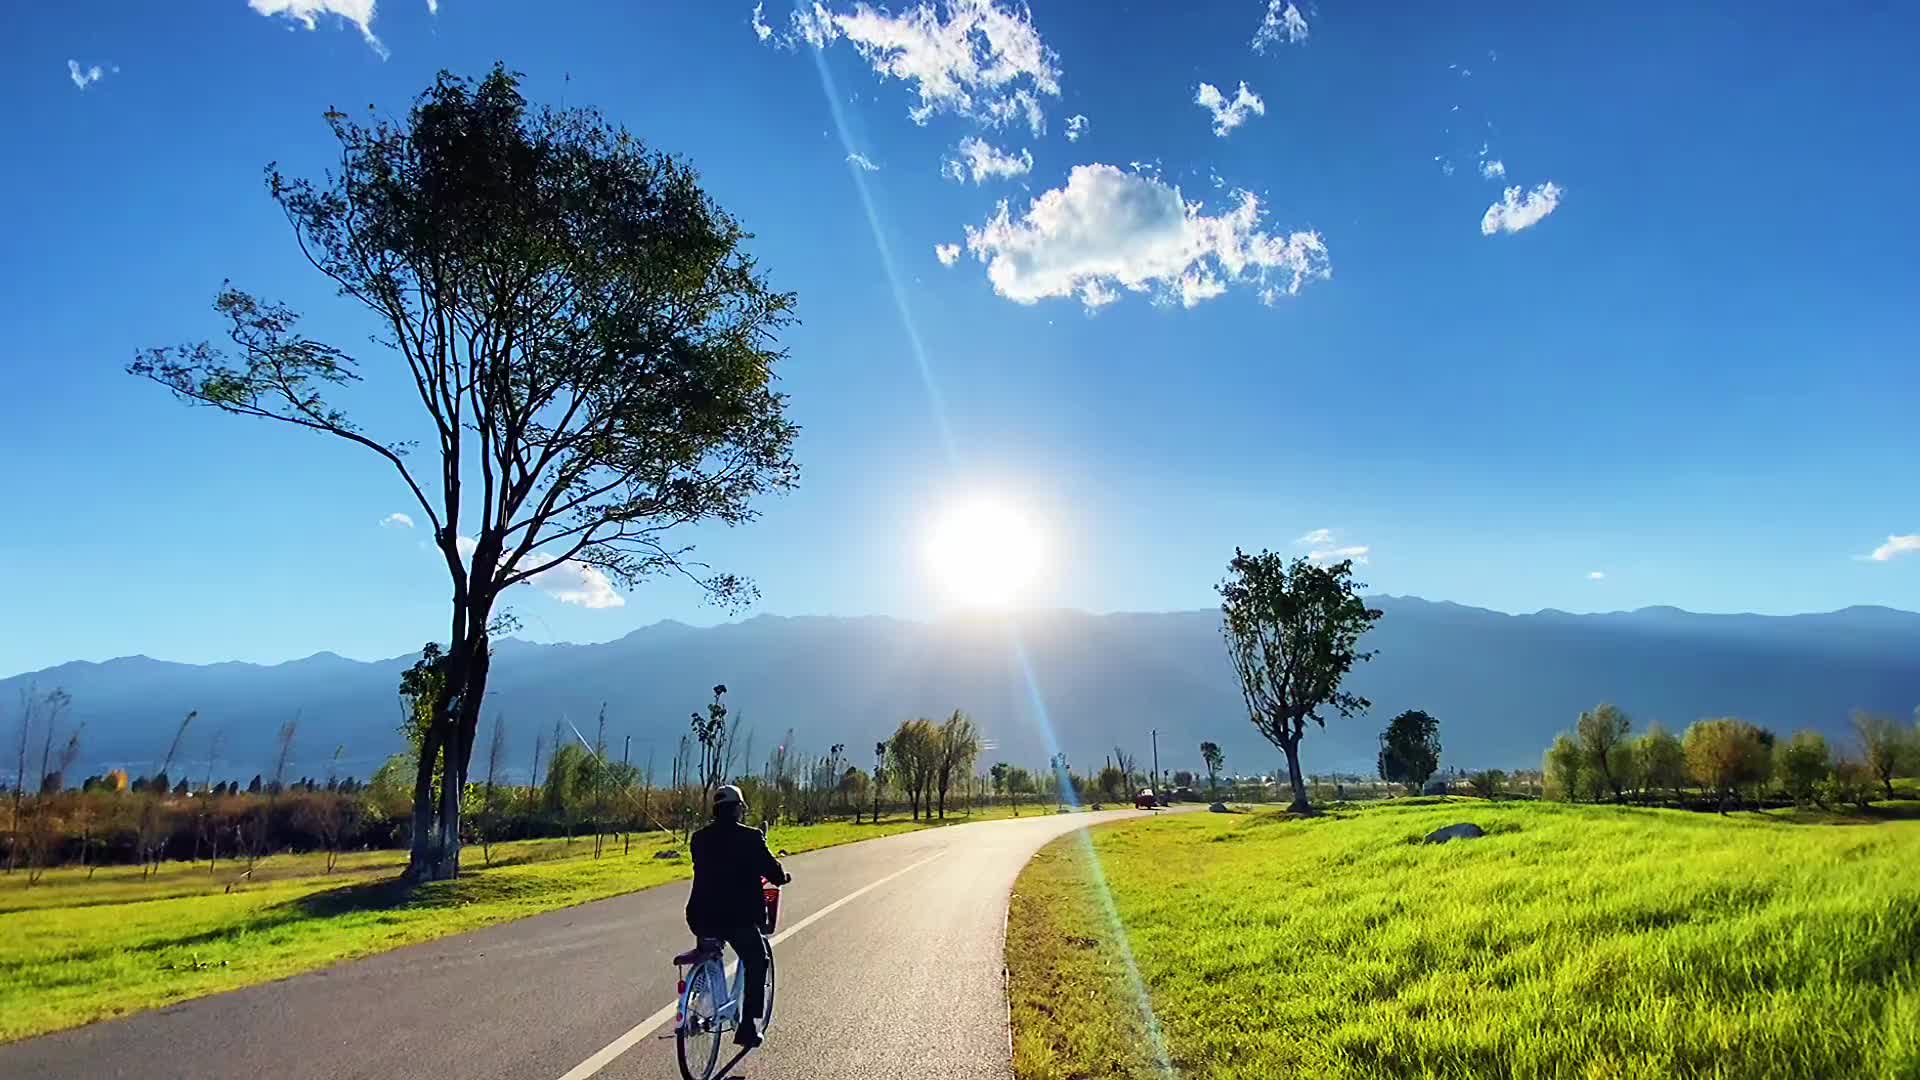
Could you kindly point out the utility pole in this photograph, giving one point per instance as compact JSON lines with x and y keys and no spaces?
{"x":1156,"y":759}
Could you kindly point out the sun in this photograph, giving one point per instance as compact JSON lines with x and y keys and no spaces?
{"x":984,"y":552}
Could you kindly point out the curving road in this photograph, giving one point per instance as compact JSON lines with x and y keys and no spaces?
{"x":889,"y":963}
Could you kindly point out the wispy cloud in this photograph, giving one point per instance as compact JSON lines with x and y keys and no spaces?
{"x":760,"y":28}
{"x":948,"y":254}
{"x":1229,"y":113}
{"x":1596,"y":575}
{"x":574,"y":582}
{"x":396,"y":520}
{"x":1494,"y":169}
{"x":865,"y":163}
{"x":85,"y":77}
{"x":307,"y":13}
{"x":1895,"y":547}
{"x":1324,"y":546}
{"x":1110,"y":228}
{"x":981,"y":160}
{"x":1283,"y":23}
{"x":1076,"y":127}
{"x":1513,"y":213}
{"x":1356,"y":553}
{"x":971,"y":58}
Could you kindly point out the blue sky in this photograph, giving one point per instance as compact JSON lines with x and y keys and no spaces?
{"x":1696,"y":375}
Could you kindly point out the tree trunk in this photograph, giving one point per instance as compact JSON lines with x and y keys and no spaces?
{"x":1300,"y":805}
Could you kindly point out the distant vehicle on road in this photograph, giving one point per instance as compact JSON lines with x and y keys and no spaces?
{"x":1147,"y":800}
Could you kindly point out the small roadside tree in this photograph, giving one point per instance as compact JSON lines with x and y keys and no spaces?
{"x":1659,"y":760}
{"x":1801,"y":764}
{"x":959,"y":745}
{"x":879,"y":776}
{"x":1487,"y":783}
{"x":581,"y":329}
{"x":1885,"y":746}
{"x":1292,"y":631}
{"x":1410,"y":749}
{"x":1602,"y":735}
{"x":1724,"y":754}
{"x":1215,"y":761}
{"x":1562,"y":767}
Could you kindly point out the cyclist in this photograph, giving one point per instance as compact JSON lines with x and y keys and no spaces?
{"x":729,"y":859}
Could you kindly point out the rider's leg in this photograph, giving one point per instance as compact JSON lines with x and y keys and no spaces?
{"x":751,"y":946}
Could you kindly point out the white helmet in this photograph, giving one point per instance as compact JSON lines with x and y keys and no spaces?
{"x":727,"y":795}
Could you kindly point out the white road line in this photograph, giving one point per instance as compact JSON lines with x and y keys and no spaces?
{"x":633,"y":1036}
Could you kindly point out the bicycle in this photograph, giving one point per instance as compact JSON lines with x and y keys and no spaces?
{"x":710,"y":1002}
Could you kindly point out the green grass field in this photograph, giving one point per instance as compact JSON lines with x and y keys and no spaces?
{"x":1573,"y":942}
{"x":74,"y":950}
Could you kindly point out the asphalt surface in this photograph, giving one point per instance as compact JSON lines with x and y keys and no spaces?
{"x":890,"y":964}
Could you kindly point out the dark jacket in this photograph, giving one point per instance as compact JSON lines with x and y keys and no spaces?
{"x":729,"y":859}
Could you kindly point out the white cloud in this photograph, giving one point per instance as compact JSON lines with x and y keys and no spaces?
{"x":1282,"y":23}
{"x":574,"y":582}
{"x":948,"y":254}
{"x":396,"y":520}
{"x":1076,"y":127}
{"x":1357,"y":553}
{"x":1325,"y":546}
{"x":1493,"y":170}
{"x":433,"y":7}
{"x":1229,"y":114}
{"x":465,"y":545}
{"x":1108,"y":227}
{"x":760,"y":28}
{"x":971,"y":58}
{"x":1596,"y":575}
{"x":307,"y":13}
{"x":1513,"y":213}
{"x":864,"y":162}
{"x":82,"y":77}
{"x":982,"y":161}
{"x":1895,"y":547}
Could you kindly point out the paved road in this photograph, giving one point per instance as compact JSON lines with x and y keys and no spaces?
{"x":891,"y":967}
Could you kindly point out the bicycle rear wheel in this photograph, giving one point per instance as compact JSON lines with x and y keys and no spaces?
{"x":697,"y":1039}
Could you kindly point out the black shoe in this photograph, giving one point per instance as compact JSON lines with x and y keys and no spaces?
{"x":748,"y":1035}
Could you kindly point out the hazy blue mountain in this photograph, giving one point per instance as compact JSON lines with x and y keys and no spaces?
{"x":1500,"y":684}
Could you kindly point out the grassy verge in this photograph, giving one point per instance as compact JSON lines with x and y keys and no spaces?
{"x":74,"y":950}
{"x":1572,"y":942}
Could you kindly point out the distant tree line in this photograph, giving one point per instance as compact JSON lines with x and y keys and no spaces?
{"x":1728,"y":762}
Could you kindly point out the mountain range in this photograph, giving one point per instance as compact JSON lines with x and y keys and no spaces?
{"x":1501,"y":685}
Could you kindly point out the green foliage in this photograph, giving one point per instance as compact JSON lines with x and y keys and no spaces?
{"x":1487,"y":783}
{"x":1292,"y":631}
{"x":1726,"y":754}
{"x":1601,"y":733}
{"x":1660,"y":760}
{"x":1887,"y":747}
{"x":1571,"y":943}
{"x":1410,"y":749}
{"x":915,"y":754}
{"x":1562,"y":767}
{"x":1215,"y":761}
{"x":1802,"y":763}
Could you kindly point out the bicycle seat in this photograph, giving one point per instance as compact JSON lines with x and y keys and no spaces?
{"x":704,"y":948}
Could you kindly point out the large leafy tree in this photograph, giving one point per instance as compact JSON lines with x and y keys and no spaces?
{"x":590,"y":351}
{"x":1293,"y":631}
{"x":1410,"y":748}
